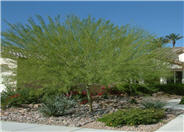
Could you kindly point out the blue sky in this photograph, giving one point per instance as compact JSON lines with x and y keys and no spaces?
{"x":159,"y":18}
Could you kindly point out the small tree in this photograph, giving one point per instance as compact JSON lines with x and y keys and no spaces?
{"x":88,"y":51}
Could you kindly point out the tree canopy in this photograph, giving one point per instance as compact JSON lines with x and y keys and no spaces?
{"x":82,"y":51}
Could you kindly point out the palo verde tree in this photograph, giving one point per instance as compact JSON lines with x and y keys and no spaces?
{"x":86,"y":51}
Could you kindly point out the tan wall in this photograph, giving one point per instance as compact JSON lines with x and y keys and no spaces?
{"x":7,"y":72}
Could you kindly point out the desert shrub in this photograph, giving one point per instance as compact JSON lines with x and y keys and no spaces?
{"x":155,"y":104}
{"x":7,"y":97}
{"x":57,"y":106}
{"x":114,"y":90}
{"x":95,"y":90}
{"x":136,"y":89}
{"x":177,"y":89}
{"x":133,"y":116}
{"x":182,"y":100}
{"x":29,"y":96}
{"x":146,"y":89}
{"x":17,"y":97}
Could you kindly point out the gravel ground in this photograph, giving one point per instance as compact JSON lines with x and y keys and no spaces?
{"x":82,"y":117}
{"x":163,"y":96}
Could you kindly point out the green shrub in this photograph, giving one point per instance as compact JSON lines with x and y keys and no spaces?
{"x":177,"y":89}
{"x":133,"y":116}
{"x":115,"y":90}
{"x":136,"y":89}
{"x":57,"y":106}
{"x":182,"y":100}
{"x":17,"y":97}
{"x":8,"y":98}
{"x":155,"y":104}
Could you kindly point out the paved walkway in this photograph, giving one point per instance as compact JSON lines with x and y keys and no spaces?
{"x":25,"y":127}
{"x":174,"y":104}
{"x":176,"y":125}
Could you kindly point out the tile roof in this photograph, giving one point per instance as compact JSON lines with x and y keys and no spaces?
{"x":178,"y":50}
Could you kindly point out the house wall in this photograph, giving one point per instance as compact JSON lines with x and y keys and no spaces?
{"x":181,"y":57}
{"x":11,"y":65}
{"x":175,"y":68}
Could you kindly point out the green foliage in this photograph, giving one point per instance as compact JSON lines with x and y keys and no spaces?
{"x":173,"y":38}
{"x":57,"y":106}
{"x":114,"y":90}
{"x":182,"y":100}
{"x":177,"y":89}
{"x":133,"y":116}
{"x":133,"y":89}
{"x":17,"y":97}
{"x":85,"y":51}
{"x":153,"y":104}
{"x":161,"y":41}
{"x":6,"y":98}
{"x":81,"y":51}
{"x":29,"y":75}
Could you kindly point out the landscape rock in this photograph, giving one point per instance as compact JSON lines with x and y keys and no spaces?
{"x":6,"y":113}
{"x":77,"y":117}
{"x":36,"y":106}
{"x":31,"y":105}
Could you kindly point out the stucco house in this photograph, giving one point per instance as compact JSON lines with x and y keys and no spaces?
{"x":177,"y":67}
